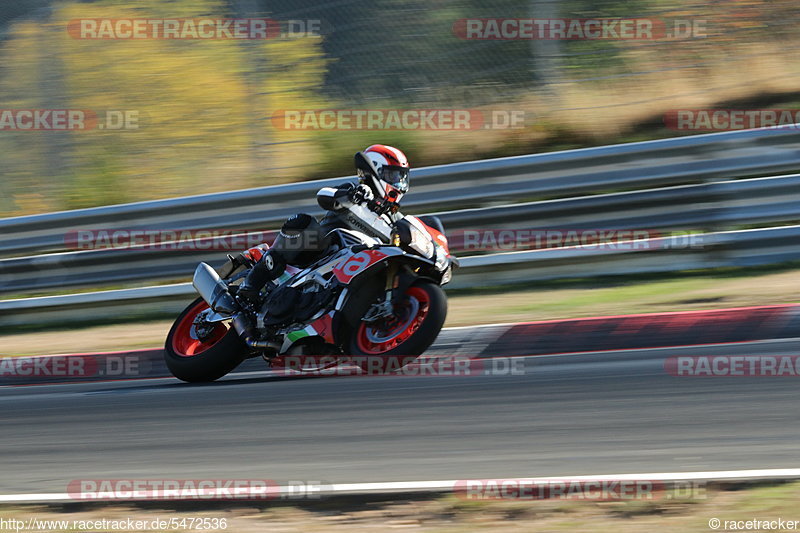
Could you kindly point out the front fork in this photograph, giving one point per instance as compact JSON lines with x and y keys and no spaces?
{"x":397,"y":281}
{"x":384,"y":308}
{"x":392,"y":281}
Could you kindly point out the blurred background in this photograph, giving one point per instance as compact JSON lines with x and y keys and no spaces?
{"x":210,"y":118}
{"x":208,"y":115}
{"x":205,"y":106}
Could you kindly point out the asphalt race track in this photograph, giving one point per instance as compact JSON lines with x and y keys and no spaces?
{"x":611,"y":412}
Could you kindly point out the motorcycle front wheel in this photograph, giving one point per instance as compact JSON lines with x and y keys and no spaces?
{"x":399,"y":340}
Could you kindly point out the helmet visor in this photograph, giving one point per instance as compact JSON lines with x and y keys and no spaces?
{"x":397,"y":177}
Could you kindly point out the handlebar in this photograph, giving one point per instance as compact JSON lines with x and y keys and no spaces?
{"x":357,"y":196}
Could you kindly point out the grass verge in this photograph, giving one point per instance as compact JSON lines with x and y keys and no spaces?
{"x":450,"y":514}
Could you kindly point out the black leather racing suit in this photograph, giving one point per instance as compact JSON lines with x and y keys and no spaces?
{"x":303,"y":239}
{"x":351,"y":206}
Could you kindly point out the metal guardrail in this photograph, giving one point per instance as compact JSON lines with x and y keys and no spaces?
{"x":681,"y":160}
{"x":711,"y":250}
{"x":705,"y":206}
{"x":688,"y":171}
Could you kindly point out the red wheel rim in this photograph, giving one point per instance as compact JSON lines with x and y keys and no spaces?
{"x":184,"y":341}
{"x":371,"y":341}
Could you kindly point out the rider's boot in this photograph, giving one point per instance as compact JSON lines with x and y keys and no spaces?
{"x":268,"y":268}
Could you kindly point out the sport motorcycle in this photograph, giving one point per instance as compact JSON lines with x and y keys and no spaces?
{"x":363,"y":300}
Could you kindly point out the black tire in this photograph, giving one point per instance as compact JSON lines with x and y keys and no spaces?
{"x":213,"y":362}
{"x":415,"y":344}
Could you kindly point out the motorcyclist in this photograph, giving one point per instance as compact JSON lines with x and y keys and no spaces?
{"x":371,"y":206}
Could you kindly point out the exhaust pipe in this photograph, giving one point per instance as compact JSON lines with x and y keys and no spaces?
{"x":207,"y":283}
{"x":245,"y":331}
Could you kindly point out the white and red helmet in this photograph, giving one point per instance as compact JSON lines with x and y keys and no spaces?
{"x":385,"y":170}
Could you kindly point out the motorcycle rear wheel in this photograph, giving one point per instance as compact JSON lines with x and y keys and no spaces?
{"x":194,"y":359}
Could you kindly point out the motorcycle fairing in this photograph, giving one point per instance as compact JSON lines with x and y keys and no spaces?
{"x":357,"y":263}
{"x":345,"y":272}
{"x":321,"y":327}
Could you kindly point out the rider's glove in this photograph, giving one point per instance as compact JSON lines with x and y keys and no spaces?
{"x":335,"y":198}
{"x":361,"y":194}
